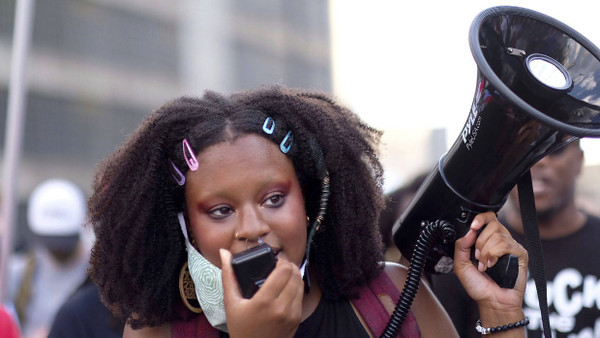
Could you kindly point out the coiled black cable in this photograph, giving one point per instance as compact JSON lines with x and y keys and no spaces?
{"x":431,"y":233}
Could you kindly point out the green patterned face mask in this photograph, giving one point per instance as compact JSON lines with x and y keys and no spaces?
{"x":207,"y":283}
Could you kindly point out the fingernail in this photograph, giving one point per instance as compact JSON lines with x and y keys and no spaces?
{"x":480,"y":267}
{"x":477,"y":253}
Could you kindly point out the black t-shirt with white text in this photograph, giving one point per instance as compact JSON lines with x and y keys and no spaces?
{"x":572,"y":269}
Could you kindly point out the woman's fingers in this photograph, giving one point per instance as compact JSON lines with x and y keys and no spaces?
{"x":492,"y":239}
{"x":230,"y":285}
{"x":274,"y":309}
{"x":283,"y":281}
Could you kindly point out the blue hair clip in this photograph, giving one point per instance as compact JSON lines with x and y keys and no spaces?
{"x":266,"y":128}
{"x":192,"y":161}
{"x":286,"y":144}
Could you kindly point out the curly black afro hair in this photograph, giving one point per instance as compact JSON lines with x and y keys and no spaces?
{"x":139,"y":248}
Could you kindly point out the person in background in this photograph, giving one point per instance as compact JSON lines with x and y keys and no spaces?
{"x":8,"y":325}
{"x":84,"y":315}
{"x":55,"y":264}
{"x":205,"y":178}
{"x":569,"y":238}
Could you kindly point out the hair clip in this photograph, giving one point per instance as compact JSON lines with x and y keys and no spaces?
{"x":289,"y":139}
{"x":192,"y":161}
{"x":266,"y":128}
{"x":177,"y":174}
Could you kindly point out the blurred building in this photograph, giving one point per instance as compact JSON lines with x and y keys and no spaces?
{"x":97,"y":67}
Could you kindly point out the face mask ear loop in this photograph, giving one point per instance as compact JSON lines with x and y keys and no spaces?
{"x":316,"y":226}
{"x":182,"y":225}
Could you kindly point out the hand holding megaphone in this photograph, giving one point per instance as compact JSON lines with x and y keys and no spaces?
{"x":495,"y":252}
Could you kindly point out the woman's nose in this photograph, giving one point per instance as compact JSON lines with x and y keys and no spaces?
{"x":251,"y":226}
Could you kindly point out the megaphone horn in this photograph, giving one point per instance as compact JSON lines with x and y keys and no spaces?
{"x":537,"y":90}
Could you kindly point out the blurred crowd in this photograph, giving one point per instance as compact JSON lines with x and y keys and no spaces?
{"x":50,"y":274}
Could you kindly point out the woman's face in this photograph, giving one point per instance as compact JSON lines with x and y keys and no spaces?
{"x":250,"y":187}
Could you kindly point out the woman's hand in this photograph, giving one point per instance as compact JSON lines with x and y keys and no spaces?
{"x":275,"y":310}
{"x":496,"y":305}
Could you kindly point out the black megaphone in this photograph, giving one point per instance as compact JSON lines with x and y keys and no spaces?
{"x":537,"y":90}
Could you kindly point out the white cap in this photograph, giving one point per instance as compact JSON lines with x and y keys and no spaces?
{"x":56,"y":207}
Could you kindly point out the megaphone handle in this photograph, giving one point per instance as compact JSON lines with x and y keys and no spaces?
{"x":505,"y":271}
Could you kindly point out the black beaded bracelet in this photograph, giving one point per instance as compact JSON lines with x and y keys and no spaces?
{"x":490,"y":330}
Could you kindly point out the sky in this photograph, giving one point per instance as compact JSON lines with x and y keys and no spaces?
{"x":407,"y":65}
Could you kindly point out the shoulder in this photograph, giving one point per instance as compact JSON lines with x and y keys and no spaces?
{"x":84,"y":315}
{"x":590,"y":229}
{"x":8,"y":325}
{"x":17,"y":269}
{"x":87,"y":297}
{"x":17,"y":263}
{"x":431,"y":316}
{"x":592,"y":220}
{"x":397,"y":273}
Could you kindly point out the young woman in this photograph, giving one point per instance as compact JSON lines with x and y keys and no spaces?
{"x":205,"y":178}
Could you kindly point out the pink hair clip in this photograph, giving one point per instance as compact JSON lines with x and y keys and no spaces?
{"x":192,"y":161}
{"x":177,"y":174}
